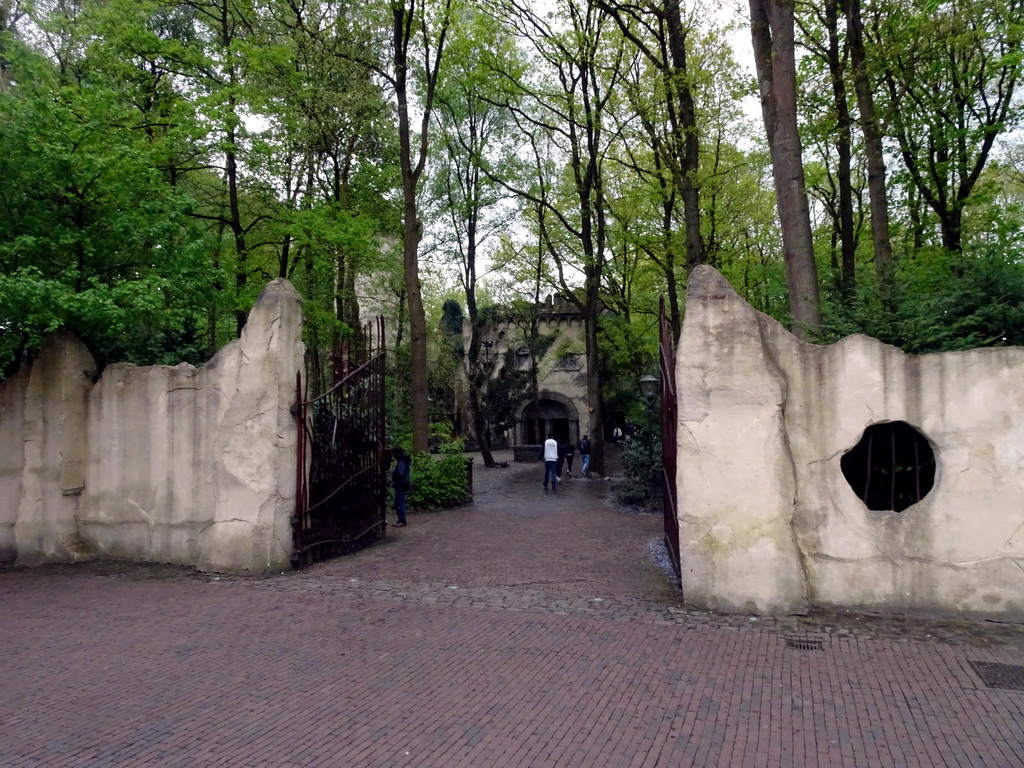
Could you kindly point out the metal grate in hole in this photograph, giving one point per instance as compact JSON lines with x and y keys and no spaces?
{"x":1009,"y":677}
{"x":804,"y":644}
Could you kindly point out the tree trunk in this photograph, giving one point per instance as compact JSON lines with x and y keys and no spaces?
{"x":417,"y":320}
{"x":772,"y":34}
{"x":879,"y":200}
{"x":476,"y":375}
{"x":6,"y":22}
{"x":670,"y":270}
{"x":411,"y":233}
{"x":687,"y":135}
{"x":347,"y":297}
{"x":231,"y":175}
{"x":594,"y":395}
{"x":480,"y":427}
{"x":844,"y":218}
{"x":950,"y":222}
{"x":238,"y":232}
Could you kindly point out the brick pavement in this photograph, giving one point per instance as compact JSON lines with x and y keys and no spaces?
{"x":528,"y":629}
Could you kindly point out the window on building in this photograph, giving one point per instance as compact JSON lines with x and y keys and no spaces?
{"x":523,"y":358}
{"x":569,"y":361}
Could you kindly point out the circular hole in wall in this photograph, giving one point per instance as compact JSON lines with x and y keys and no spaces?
{"x":891,"y":468}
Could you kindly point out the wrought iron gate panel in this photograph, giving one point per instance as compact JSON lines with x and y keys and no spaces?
{"x":669,"y":425}
{"x":340,"y":499}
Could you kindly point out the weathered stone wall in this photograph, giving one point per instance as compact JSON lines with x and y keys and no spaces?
{"x":768,"y":522}
{"x":43,"y":413}
{"x":164,"y":464}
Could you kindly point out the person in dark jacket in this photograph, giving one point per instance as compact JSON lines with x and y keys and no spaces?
{"x":585,"y":454}
{"x":401,"y":477}
{"x":569,"y":452}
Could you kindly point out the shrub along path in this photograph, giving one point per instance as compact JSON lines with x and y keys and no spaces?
{"x":527,"y":629}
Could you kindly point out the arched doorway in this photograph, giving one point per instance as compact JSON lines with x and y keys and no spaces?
{"x":548,"y":416}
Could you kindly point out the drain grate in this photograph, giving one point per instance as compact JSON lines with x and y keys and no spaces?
{"x":1008,"y":677}
{"x":804,"y":644}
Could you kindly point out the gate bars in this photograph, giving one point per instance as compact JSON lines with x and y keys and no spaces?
{"x":340,"y":489}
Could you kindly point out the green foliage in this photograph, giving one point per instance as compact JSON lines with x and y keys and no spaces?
{"x":509,"y":391}
{"x":145,"y":321}
{"x":451,"y":326}
{"x":439,"y":482}
{"x":451,"y":318}
{"x":399,"y":410}
{"x":122,"y":218}
{"x":629,"y":349}
{"x":92,"y":237}
{"x":940,"y":302}
{"x":455,"y":445}
{"x":505,"y":395}
{"x":116,"y":222}
{"x":642,"y":469}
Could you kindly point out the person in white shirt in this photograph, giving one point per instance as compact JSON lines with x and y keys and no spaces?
{"x":551,"y":462}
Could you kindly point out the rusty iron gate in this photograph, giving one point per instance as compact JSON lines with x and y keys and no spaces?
{"x":340,"y":499}
{"x":669,"y":425}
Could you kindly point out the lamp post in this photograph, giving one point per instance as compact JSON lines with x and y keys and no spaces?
{"x":650,"y":387}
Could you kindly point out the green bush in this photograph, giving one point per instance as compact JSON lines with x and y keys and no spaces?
{"x":439,"y":482}
{"x":642,"y":470}
{"x":632,"y":491}
{"x":452,"y":446}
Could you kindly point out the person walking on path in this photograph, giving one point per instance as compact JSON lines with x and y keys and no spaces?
{"x":569,"y":451}
{"x":585,"y":454}
{"x":401,"y":480}
{"x":551,"y":462}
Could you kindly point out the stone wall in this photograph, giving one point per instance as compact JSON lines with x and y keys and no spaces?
{"x":768,"y":522}
{"x":161,"y":464}
{"x":43,"y":416}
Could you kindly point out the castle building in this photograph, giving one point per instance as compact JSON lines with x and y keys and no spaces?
{"x":561,"y":403}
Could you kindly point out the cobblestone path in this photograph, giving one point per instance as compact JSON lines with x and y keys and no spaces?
{"x":528,"y":629}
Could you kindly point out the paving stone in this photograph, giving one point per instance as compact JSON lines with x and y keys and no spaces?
{"x":525,"y":630}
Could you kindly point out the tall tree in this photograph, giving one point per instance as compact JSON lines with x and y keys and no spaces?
{"x":873,"y":148}
{"x":825,"y":42}
{"x":663,"y":42}
{"x":411,"y":21}
{"x":336,"y":167}
{"x":950,"y":72}
{"x":221,"y":29}
{"x":10,"y":13}
{"x":772,"y":33}
{"x":93,"y":238}
{"x":472,"y":135}
{"x":583,"y":63}
{"x":419,"y":29}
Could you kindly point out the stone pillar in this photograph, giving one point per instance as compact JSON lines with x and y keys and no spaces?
{"x":12,"y":460}
{"x":254,"y":450}
{"x":53,"y":416}
{"x":735,"y":473}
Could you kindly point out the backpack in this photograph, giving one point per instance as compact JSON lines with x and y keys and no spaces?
{"x":400,"y":474}
{"x":584,"y":445}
